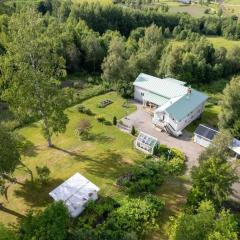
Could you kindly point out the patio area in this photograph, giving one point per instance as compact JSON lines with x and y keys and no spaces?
{"x":142,"y":121}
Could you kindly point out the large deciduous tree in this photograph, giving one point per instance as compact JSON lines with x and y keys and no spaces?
{"x":206,"y":223}
{"x":51,"y":224}
{"x":229,"y":117}
{"x":115,"y":64}
{"x":9,"y":158}
{"x":30,"y":70}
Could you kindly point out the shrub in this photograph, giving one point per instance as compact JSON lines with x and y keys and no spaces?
{"x":176,"y":163}
{"x":81,"y":108}
{"x":107,"y":123}
{"x":101,"y":119}
{"x":114,"y":120}
{"x":43,"y":174}
{"x":108,"y":220}
{"x":144,"y":177}
{"x":136,"y":215}
{"x":51,"y":224}
{"x":83,"y":128}
{"x":89,"y":112}
{"x":161,"y":150}
{"x":173,"y":159}
{"x":133,"y":131}
{"x":87,"y":93}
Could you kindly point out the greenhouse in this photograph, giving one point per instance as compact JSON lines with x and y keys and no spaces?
{"x":146,"y":143}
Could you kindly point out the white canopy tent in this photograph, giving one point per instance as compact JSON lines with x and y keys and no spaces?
{"x":75,"y":192}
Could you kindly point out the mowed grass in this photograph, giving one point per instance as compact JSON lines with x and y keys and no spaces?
{"x":223,"y":42}
{"x":102,"y":158}
{"x":216,"y":41}
{"x":209,"y":117}
{"x":117,"y":108}
{"x":105,"y":156}
{"x":93,"y":1}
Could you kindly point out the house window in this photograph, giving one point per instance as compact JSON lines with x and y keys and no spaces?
{"x":142,"y":94}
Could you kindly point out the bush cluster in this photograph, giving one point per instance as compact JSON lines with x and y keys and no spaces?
{"x":130,"y":219}
{"x":103,"y":120}
{"x":174,"y":159}
{"x":85,"y":110}
{"x":144,"y":177}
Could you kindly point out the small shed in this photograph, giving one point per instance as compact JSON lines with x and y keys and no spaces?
{"x":204,"y":135}
{"x":146,"y":143}
{"x":75,"y":192}
{"x":235,"y":147}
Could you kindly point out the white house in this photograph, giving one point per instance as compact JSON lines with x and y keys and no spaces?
{"x":75,"y":192}
{"x":173,"y":104}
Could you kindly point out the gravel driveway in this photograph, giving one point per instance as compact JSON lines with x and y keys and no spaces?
{"x":143,"y":122}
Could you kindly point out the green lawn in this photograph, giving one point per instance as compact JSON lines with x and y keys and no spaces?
{"x":223,"y":42}
{"x":216,"y":41}
{"x":209,"y":117}
{"x":102,"y":158}
{"x":101,"y":1}
{"x":114,"y":109}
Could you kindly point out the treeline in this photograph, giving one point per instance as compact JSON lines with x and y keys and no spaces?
{"x":101,"y":18}
{"x":120,"y":59}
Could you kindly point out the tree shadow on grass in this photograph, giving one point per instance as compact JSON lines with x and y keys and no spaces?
{"x":107,"y":165}
{"x":77,"y":156}
{"x":98,"y":137}
{"x":11,"y":212}
{"x":36,"y":194}
{"x":174,"y":192}
{"x":71,"y":153}
{"x":27,"y":148}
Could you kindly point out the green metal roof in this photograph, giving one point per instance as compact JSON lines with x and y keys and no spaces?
{"x":166,"y":87}
{"x":186,"y":104}
{"x":154,"y":98}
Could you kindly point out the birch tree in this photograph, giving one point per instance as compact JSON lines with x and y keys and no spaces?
{"x":30,"y":72}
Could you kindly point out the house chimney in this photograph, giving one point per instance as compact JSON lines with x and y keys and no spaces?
{"x":189,"y":91}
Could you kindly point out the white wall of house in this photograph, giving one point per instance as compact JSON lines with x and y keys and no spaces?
{"x":190,"y":118}
{"x":201,"y":140}
{"x":139,"y":93}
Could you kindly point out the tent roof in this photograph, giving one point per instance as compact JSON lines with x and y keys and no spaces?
{"x":74,"y":192}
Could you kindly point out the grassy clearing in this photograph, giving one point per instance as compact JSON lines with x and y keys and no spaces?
{"x":216,"y":41}
{"x":194,"y":10}
{"x":223,"y":42}
{"x":91,"y":1}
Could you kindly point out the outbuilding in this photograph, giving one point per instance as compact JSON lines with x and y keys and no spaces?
{"x":75,"y":192}
{"x":204,"y":135}
{"x":146,"y":143}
